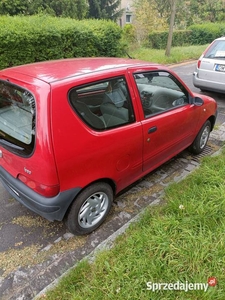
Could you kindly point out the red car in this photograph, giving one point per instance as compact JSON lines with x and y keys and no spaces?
{"x":75,"y":132}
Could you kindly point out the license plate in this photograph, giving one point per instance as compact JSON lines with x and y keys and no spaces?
{"x":220,"y":68}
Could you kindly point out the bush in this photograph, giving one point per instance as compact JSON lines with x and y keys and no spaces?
{"x":158,"y":40}
{"x":200,"y":34}
{"x":129,"y":33}
{"x":106,"y":37}
{"x":205,"y":33}
{"x":38,"y":38}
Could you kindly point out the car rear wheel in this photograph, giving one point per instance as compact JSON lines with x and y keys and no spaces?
{"x":90,"y":208}
{"x":201,"y":139}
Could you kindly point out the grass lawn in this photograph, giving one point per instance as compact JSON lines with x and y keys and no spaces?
{"x":180,"y":242}
{"x":178,"y":54}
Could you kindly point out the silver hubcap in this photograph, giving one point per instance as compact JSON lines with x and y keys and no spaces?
{"x":204,"y":137}
{"x":93,"y":210}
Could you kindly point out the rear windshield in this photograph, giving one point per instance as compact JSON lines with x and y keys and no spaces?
{"x":17,"y":118}
{"x":216,"y":50}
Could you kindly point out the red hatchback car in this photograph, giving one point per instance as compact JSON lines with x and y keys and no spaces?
{"x":75,"y":132}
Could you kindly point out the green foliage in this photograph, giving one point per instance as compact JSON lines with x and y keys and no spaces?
{"x":38,"y":38}
{"x":158,"y":40}
{"x":129,"y":33}
{"x":105,"y":9}
{"x":206,"y":33}
{"x":178,"y":54}
{"x":191,"y":12}
{"x":206,"y":11}
{"x":76,"y":9}
{"x":106,"y":37}
{"x":199,"y":34}
{"x":182,"y":240}
{"x":154,"y":15}
{"x":13,"y":7}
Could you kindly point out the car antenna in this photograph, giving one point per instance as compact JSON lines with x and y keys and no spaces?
{"x":129,"y":55}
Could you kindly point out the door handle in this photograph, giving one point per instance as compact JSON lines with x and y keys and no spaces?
{"x":152,"y":129}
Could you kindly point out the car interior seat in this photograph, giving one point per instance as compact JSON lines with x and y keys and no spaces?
{"x":114,"y":104}
{"x":84,"y":111}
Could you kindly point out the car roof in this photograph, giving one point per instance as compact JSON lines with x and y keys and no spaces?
{"x":222,"y":38}
{"x":55,"y":70}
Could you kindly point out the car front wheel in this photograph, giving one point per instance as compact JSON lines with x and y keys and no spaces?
{"x":90,"y":208}
{"x":201,"y":139}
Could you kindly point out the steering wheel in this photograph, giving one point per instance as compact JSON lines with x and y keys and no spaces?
{"x":146,"y":99}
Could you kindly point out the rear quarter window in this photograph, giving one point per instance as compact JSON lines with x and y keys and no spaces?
{"x":103,"y":105}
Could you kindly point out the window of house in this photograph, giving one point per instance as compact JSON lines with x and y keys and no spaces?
{"x":128,"y":18}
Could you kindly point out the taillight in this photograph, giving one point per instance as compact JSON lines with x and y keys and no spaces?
{"x":44,"y":190}
{"x":199,"y":63}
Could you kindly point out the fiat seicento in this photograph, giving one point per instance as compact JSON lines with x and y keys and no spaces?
{"x":75,"y":132}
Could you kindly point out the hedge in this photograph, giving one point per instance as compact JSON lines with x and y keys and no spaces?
{"x":206,"y":33}
{"x":38,"y":38}
{"x":199,"y":34}
{"x":158,"y":40}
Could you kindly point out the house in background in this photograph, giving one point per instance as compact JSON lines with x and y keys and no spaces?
{"x":127,"y":17}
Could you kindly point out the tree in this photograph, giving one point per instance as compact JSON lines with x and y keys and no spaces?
{"x":207,"y":10}
{"x":182,"y":12}
{"x":105,"y":9}
{"x":147,"y":19}
{"x":172,"y":20}
{"x":76,"y":9}
{"x":94,"y":9}
{"x":13,"y":7}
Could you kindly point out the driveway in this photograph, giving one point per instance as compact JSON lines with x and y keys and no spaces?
{"x":34,"y":252}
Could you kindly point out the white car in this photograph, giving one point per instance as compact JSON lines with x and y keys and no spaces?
{"x":210,"y":70}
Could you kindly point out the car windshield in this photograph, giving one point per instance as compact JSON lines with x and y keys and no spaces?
{"x":17,"y":118}
{"x":216,"y":50}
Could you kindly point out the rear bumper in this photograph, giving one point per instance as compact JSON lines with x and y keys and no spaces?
{"x":208,"y":85}
{"x":50,"y":208}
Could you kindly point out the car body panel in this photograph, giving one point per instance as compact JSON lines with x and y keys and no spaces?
{"x":70,"y":155}
{"x":34,"y":164}
{"x":121,"y":146}
{"x":174,"y":131}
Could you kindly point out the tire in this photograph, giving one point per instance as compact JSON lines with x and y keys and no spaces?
{"x":89,"y":209}
{"x":201,"y":139}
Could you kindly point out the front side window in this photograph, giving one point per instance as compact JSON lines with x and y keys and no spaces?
{"x":103,"y":105}
{"x":17,"y":118}
{"x":159,"y":92}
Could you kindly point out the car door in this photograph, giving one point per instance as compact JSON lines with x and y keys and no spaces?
{"x":168,"y":118}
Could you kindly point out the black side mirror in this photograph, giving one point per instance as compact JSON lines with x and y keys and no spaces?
{"x":197,"y":101}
